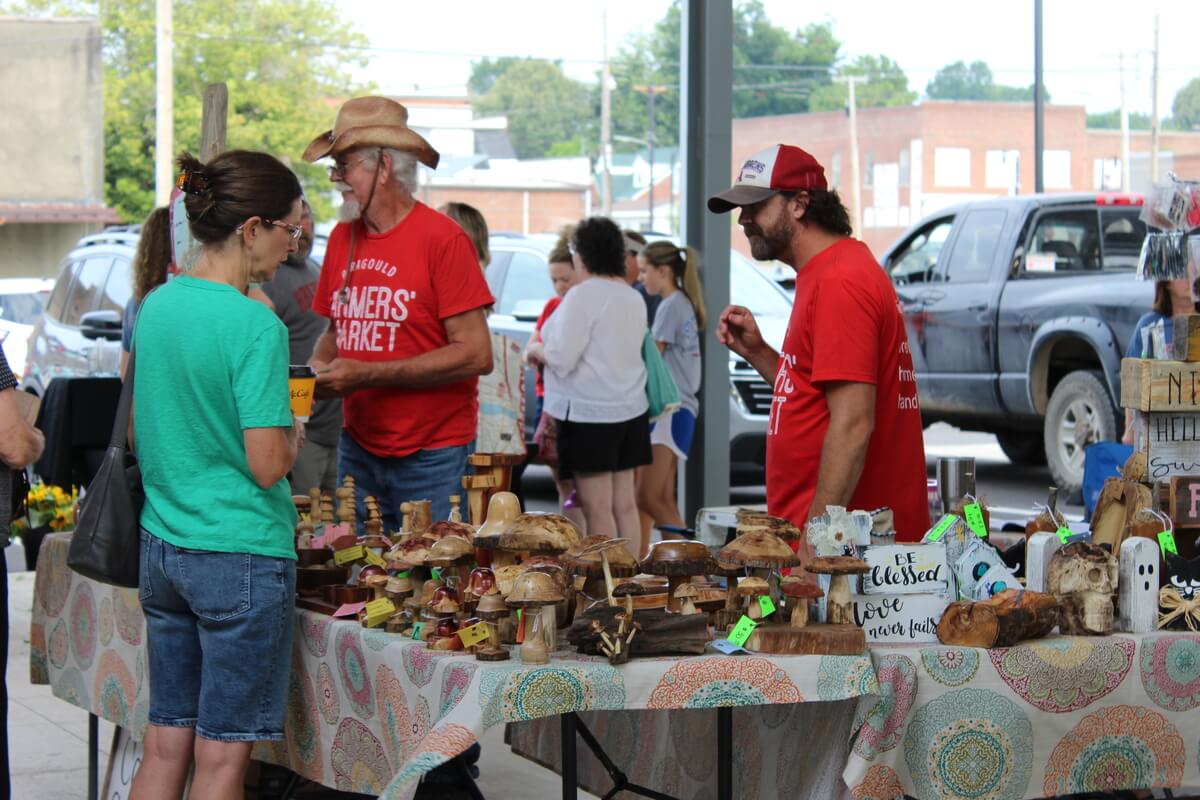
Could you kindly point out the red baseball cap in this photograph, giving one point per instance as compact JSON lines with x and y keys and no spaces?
{"x":780,"y":168}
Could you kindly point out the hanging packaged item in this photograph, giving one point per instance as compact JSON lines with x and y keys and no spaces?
{"x":1164,"y":256}
{"x":1173,"y":205}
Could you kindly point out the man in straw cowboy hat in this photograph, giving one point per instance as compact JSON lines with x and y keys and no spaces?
{"x":405,"y":297}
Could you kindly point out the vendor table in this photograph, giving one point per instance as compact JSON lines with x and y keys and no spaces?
{"x":371,"y":712}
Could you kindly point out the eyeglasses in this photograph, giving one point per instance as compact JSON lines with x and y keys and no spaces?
{"x":294,"y":231}
{"x":339,"y":168}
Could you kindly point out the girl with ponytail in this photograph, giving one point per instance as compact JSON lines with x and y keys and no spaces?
{"x":673,"y":274}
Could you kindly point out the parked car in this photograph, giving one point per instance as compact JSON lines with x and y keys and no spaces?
{"x":1018,"y":311}
{"x":22,"y":301}
{"x":520,"y":281}
{"x":79,"y":332}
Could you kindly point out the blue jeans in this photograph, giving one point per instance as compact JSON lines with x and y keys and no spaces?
{"x":424,"y":475}
{"x":219,"y":637}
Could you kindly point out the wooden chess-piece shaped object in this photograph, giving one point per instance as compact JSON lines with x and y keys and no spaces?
{"x":422,"y":515}
{"x":455,"y":513}
{"x":406,"y":510}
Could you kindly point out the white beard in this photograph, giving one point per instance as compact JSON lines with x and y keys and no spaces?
{"x":350,"y":209}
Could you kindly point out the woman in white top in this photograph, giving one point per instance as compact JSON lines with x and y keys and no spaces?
{"x":672,"y":274}
{"x":596,"y":381}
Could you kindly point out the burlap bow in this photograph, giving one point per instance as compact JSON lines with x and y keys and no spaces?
{"x":1175,"y":606}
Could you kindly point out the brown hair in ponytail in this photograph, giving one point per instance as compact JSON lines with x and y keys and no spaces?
{"x":685,"y":268}
{"x":234,"y":186}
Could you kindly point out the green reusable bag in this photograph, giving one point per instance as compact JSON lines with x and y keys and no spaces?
{"x":661,"y":391}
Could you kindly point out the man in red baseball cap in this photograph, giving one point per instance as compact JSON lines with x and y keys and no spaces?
{"x":845,"y":427}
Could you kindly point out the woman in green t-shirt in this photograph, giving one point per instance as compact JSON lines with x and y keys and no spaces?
{"x":215,"y":439}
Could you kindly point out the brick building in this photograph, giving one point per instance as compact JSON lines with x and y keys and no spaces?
{"x":914,"y":160}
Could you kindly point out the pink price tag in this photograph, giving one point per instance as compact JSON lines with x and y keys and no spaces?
{"x":350,"y":609}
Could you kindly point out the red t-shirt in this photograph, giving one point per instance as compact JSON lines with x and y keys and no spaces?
{"x":403,"y":284}
{"x":846,"y":325}
{"x":551,"y":304}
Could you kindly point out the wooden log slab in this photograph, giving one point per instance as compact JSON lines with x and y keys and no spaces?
{"x":1185,"y":339}
{"x":827,"y":640}
{"x":661,"y":632}
{"x":1001,"y":621}
{"x":1155,"y":385}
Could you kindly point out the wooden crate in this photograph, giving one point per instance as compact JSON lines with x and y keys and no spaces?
{"x":1155,"y":385}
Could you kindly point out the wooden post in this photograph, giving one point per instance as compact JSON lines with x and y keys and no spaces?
{"x":214,"y":121}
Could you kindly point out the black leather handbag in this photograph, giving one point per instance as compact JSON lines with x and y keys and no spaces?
{"x":105,"y":544}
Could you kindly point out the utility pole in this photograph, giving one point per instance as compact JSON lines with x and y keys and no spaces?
{"x":852,"y":110}
{"x":1154,"y":109}
{"x":164,"y":102}
{"x":1039,"y":103}
{"x":651,"y":91}
{"x":1125,"y":181}
{"x":605,"y":123}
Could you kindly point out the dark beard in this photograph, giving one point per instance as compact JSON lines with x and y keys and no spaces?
{"x":768,"y":244}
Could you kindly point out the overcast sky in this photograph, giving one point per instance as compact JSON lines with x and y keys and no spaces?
{"x":431,"y":45}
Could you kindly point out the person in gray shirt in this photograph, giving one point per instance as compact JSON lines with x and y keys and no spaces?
{"x":671,"y":274}
{"x":292,"y":291}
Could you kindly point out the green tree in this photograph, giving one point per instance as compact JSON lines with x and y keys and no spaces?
{"x":280,"y":60}
{"x":543,"y":106}
{"x":485,"y":72}
{"x":1112,"y":120}
{"x":1185,"y":111}
{"x":885,"y":85}
{"x":774,"y":70}
{"x":974,"y":81}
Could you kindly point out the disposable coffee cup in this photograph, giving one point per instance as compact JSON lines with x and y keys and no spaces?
{"x":302,"y":382}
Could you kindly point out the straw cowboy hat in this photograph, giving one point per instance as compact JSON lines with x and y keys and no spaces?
{"x":375,"y":121}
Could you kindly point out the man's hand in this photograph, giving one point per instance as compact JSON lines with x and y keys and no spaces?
{"x":298,"y":432}
{"x":738,"y":330}
{"x":535,"y":354}
{"x":340,"y":377}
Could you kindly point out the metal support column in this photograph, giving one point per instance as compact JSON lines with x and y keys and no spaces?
{"x":706,"y":76}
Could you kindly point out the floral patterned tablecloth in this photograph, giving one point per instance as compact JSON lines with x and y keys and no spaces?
{"x":1058,"y":716}
{"x":371,"y":712}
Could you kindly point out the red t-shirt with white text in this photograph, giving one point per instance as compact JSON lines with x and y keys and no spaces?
{"x":551,"y":304}
{"x":403,"y":284}
{"x":846,"y":325}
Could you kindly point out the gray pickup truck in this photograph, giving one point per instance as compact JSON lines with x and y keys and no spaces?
{"x":1018,"y":311}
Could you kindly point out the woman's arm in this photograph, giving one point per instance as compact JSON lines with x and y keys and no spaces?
{"x":20,"y":443}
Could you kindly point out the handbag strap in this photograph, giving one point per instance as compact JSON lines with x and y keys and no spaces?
{"x":120,"y":432}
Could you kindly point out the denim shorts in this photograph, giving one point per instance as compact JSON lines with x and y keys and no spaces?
{"x":424,"y":475}
{"x":219,"y":637}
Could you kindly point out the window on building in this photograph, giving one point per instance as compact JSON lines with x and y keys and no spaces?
{"x":1056,"y":165}
{"x":1000,"y":169}
{"x":952,"y":167}
{"x":904,"y":167}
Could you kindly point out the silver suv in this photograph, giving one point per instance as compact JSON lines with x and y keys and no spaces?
{"x":519,"y":278}
{"x":80,"y":331}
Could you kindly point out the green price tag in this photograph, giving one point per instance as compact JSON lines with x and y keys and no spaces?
{"x":436,"y":573}
{"x":765,"y":604}
{"x":403,"y":574}
{"x":741,"y":632}
{"x":417,"y":628}
{"x":1166,"y":540}
{"x":974,"y":515}
{"x":1064,"y":533}
{"x":939,"y":530}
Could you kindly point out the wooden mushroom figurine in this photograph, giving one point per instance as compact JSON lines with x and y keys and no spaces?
{"x":686,"y":594}
{"x":502,"y":509}
{"x":839,"y":604}
{"x":677,"y":560}
{"x":798,"y":593}
{"x":750,"y":589}
{"x":598,"y":557}
{"x":536,"y":592}
{"x":492,"y":609}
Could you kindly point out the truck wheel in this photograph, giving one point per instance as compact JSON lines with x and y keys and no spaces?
{"x":1080,"y":413}
{"x":1023,"y":448}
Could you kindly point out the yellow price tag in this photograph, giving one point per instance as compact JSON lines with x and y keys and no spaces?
{"x":974,"y":515}
{"x":380,"y":606}
{"x":473,"y":634}
{"x":741,"y":632}
{"x":375,"y":620}
{"x":374,"y":558}
{"x":349,"y":554}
